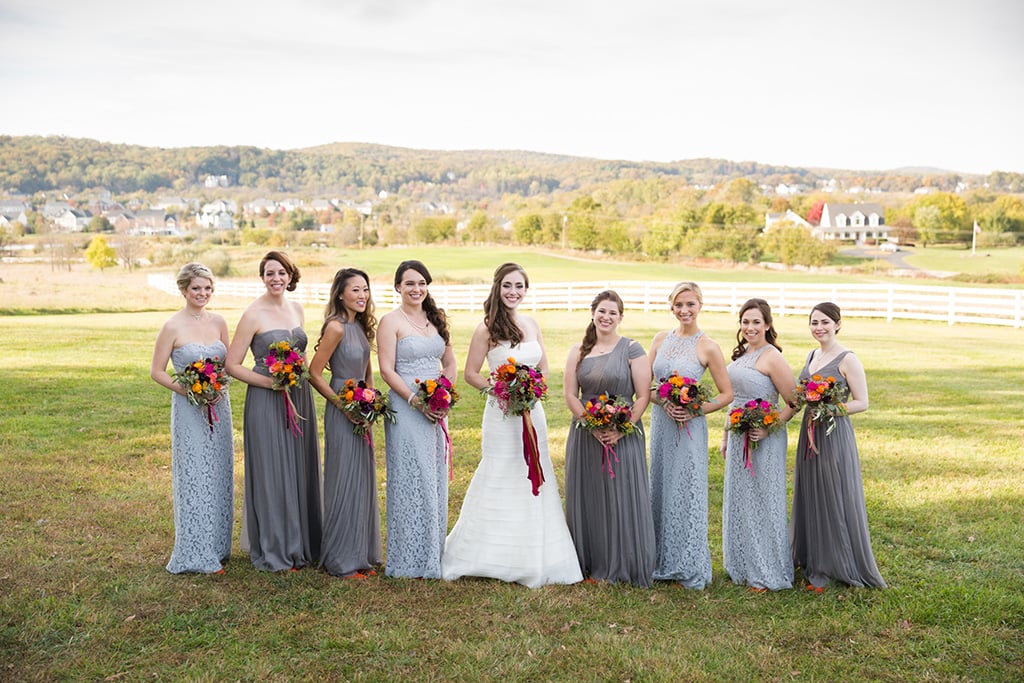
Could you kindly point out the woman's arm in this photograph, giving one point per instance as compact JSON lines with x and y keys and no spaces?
{"x":776,"y":367}
{"x":333,"y":334}
{"x":387,"y":342}
{"x":852,"y":369}
{"x":478,"y":347}
{"x":162,"y":356}
{"x":244,"y":334}
{"x":715,"y":362}
{"x":640,"y":369}
{"x":570,"y":385}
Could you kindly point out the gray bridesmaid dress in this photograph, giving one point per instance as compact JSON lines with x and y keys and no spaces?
{"x":351,"y":539}
{"x":282,"y":469}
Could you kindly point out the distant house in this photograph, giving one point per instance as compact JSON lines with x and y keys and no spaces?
{"x":214,"y":181}
{"x":122,"y":220}
{"x":154,"y":222}
{"x":789,"y":216}
{"x":258,"y":206}
{"x":72,"y":220}
{"x":856,"y":222}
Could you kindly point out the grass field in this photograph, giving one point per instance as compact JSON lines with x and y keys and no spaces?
{"x":86,"y":528}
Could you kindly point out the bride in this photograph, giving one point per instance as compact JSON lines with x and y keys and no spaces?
{"x":504,"y":531}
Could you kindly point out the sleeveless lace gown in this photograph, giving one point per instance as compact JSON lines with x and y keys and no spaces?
{"x":504,"y":531}
{"x":679,"y":476}
{"x":202,"y":474}
{"x":610,"y":519}
{"x":282,"y":469}
{"x":755,"y":538}
{"x":417,"y":474}
{"x":351,"y":538}
{"x":830,"y":521}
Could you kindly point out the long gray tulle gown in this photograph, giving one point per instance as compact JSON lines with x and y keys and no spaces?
{"x":679,"y":476}
{"x":417,"y":473}
{"x":830,"y":522}
{"x":755,"y":536}
{"x":351,"y":539}
{"x":282,"y":468}
{"x":610,"y":518}
{"x":202,"y":474}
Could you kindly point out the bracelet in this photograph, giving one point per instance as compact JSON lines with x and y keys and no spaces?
{"x":412,"y":397}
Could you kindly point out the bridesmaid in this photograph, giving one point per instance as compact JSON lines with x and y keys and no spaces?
{"x":351,"y":537}
{"x":282,"y":466}
{"x":202,"y":454}
{"x":413,"y":343}
{"x":609,"y":518}
{"x":830,"y":523}
{"x":755,"y":542}
{"x":679,"y":445}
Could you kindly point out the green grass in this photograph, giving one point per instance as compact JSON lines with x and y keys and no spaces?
{"x":1002,"y":260}
{"x":86,"y":528}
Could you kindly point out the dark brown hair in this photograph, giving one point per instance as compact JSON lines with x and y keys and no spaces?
{"x":497,"y":317}
{"x":282,"y":258}
{"x":769,"y":334}
{"x":829,"y":310}
{"x":435,"y":315}
{"x":336,"y":311}
{"x":590,"y":336}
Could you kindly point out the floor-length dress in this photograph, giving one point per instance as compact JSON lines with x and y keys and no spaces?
{"x":679,"y":476}
{"x":417,"y":471}
{"x":755,"y":536}
{"x":830,"y":522}
{"x":610,"y":518}
{"x":202,"y":473}
{"x":351,"y":539}
{"x":504,"y":531}
{"x":282,"y":468}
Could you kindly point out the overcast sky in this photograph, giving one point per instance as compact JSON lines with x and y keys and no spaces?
{"x":877,"y":85}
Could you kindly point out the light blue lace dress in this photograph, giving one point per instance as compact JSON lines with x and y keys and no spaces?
{"x":202,"y":474}
{"x":679,"y":476}
{"x":417,"y":474}
{"x":755,"y":536}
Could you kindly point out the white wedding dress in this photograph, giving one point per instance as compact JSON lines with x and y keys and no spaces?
{"x":504,"y":531}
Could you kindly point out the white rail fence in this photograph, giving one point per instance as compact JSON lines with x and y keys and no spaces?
{"x":952,"y":305}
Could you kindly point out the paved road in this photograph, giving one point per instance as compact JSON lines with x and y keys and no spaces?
{"x":895,"y":258}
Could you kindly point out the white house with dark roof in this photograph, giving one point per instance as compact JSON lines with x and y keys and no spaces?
{"x":853,"y":222}
{"x":789,"y":216}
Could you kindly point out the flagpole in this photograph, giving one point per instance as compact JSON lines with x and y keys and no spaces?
{"x":974,"y":237}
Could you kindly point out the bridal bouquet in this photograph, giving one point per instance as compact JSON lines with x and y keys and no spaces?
{"x":607,"y":411}
{"x":366,"y":405}
{"x":683,"y":391}
{"x":440,"y":396}
{"x":825,"y":400}
{"x":517,"y":387}
{"x":288,"y":369}
{"x":205,"y":382}
{"x":753,"y":414}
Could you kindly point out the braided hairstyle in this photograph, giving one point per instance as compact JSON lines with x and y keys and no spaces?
{"x":590,"y":336}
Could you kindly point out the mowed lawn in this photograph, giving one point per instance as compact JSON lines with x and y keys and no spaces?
{"x":86,"y":529}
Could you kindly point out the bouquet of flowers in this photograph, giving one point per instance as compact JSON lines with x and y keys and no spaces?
{"x":366,"y":405}
{"x":607,"y":411}
{"x":440,"y":396}
{"x":825,"y":399}
{"x":205,"y":381}
{"x":683,"y":391}
{"x":753,"y":414}
{"x":517,"y":387}
{"x":288,"y":369}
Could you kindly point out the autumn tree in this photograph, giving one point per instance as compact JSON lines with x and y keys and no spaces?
{"x":99,"y":254}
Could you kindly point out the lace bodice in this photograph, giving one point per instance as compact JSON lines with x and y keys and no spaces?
{"x":748,"y":382}
{"x":678,"y":354}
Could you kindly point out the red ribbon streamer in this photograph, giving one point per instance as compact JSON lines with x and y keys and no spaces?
{"x":606,"y":460}
{"x":812,"y":448}
{"x":747,"y":462}
{"x":531,"y":453}
{"x":291,"y":415}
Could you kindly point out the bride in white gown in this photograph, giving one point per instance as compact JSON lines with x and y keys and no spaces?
{"x":504,"y":531}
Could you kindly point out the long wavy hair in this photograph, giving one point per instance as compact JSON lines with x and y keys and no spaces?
{"x":282,"y":258}
{"x":769,"y":335}
{"x":497,"y":316}
{"x":435,"y":315}
{"x":335,"y":310}
{"x":590,"y":336}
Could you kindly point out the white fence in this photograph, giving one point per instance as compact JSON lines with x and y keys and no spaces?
{"x":949,"y":304}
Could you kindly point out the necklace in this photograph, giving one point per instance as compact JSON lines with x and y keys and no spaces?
{"x":414,"y":324}
{"x":197,"y":316}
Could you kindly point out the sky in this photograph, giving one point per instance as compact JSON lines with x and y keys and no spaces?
{"x":867,"y":85}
